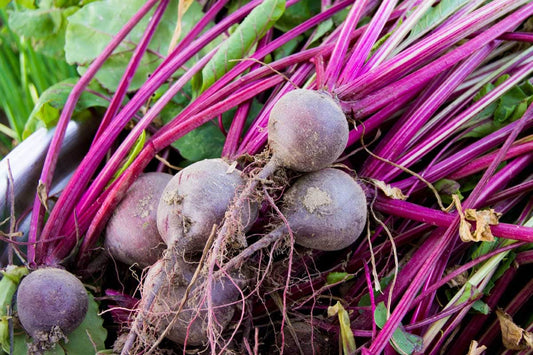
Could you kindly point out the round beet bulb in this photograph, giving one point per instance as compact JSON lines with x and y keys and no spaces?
{"x":196,"y":199}
{"x":51,"y":300}
{"x":326,"y":209}
{"x":307,"y":130}
{"x":131,"y":235}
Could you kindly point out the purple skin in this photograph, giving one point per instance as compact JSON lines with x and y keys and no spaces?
{"x":196,"y":199}
{"x":131,"y":235}
{"x":307,"y":130}
{"x":326,"y":210}
{"x":225,"y":293}
{"x":49,"y":298}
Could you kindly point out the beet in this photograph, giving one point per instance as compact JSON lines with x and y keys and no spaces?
{"x":196,"y":199}
{"x":307,"y":130}
{"x":131,"y":235}
{"x":326,"y":209}
{"x":51,"y":303}
{"x":225,"y":293}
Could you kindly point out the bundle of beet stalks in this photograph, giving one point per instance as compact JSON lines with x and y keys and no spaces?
{"x":283,"y":176}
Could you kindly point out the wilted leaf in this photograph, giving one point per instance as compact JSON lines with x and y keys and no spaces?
{"x":346,"y":335}
{"x":458,"y":280}
{"x":475,"y":349}
{"x":513,"y":337}
{"x":389,"y":191}
{"x":484,"y":219}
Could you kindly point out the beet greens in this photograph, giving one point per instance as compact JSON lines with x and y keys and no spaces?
{"x":418,"y":114}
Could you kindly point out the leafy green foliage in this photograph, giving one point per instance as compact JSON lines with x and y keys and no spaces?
{"x":435,"y":15}
{"x":25,"y":75}
{"x":90,"y":29}
{"x":251,"y":29}
{"x":45,"y":26}
{"x":297,"y":13}
{"x":508,"y":108}
{"x":481,"y":307}
{"x":87,"y":339}
{"x":335,"y":277}
{"x":8,"y":286}
{"x":47,"y":109}
{"x":402,"y":341}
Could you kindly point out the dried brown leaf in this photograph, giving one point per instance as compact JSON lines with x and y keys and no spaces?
{"x":475,"y":349}
{"x":484,"y":219}
{"x":514,"y":337}
{"x":389,"y":191}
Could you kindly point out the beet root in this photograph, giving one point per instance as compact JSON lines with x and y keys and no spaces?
{"x":326,"y":210}
{"x":51,"y":303}
{"x":131,"y":235}
{"x":307,"y":130}
{"x":196,"y":199}
{"x":191,"y":325}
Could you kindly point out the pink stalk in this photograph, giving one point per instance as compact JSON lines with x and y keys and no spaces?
{"x":455,"y":124}
{"x":53,"y":151}
{"x":391,"y":70}
{"x":88,"y":166}
{"x":418,"y":9}
{"x":125,"y":81}
{"x":481,"y":163}
{"x":411,"y":123}
{"x":472,"y":201}
{"x":341,"y":45}
{"x":449,"y":165}
{"x":415,"y":212}
{"x":365,"y":42}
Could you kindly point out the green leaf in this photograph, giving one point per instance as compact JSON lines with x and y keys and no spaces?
{"x":11,"y":277}
{"x":403,"y":341}
{"x":297,"y":13}
{"x":435,"y":15}
{"x":87,"y":339}
{"x":365,"y":300}
{"x":252,"y":28}
{"x":322,"y":29}
{"x":92,"y":27}
{"x":335,"y":277}
{"x":206,"y":141}
{"x":45,"y":27}
{"x":47,"y":109}
{"x":481,"y":307}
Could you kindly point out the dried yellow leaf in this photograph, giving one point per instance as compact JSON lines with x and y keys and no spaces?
{"x":513,"y":337}
{"x":389,"y":191}
{"x":475,"y":349}
{"x":484,"y":219}
{"x":346,"y":335}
